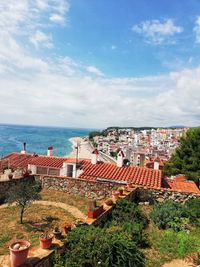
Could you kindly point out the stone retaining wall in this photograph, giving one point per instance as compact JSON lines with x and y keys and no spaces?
{"x":75,"y":186}
{"x":161,"y":195}
{"x":6,"y":185}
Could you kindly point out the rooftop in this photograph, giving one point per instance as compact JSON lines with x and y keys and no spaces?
{"x":129,"y":174}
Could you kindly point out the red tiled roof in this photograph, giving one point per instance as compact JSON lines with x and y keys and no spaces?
{"x":182,"y":185}
{"x":129,"y":174}
{"x":15,"y":160}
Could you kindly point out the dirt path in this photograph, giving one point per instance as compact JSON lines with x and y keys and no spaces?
{"x":71,"y":209}
{"x":178,"y":263}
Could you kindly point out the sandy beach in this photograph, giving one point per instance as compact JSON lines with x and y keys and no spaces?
{"x":84,"y":148}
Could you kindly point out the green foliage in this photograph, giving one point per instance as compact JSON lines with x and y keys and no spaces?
{"x":93,"y":134}
{"x":88,"y":246}
{"x":23,"y":194}
{"x":175,"y":244}
{"x":192,"y":209}
{"x":127,"y":211}
{"x":169,"y":214}
{"x":186,"y":159}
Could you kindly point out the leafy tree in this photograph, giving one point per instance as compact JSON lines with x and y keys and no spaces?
{"x":169,"y":214}
{"x":23,"y":194}
{"x":88,"y":246}
{"x":186,"y":159}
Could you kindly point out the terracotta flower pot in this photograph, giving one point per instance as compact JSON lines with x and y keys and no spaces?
{"x":45,"y":242}
{"x":10,"y":176}
{"x":19,"y":252}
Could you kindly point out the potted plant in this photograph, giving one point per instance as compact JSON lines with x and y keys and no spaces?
{"x":45,"y":240}
{"x":57,"y":233}
{"x":19,"y":252}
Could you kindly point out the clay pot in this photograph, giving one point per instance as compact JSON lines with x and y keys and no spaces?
{"x":57,"y":234}
{"x":10,"y":176}
{"x":45,"y":242}
{"x":19,"y":252}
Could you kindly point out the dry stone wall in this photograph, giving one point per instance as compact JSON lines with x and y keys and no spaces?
{"x":75,"y":186}
{"x":164,"y":194}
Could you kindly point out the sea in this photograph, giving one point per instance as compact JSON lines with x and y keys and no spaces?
{"x":38,"y":139}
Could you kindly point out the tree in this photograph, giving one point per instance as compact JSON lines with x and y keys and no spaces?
{"x":98,"y":247}
{"x":23,"y":194}
{"x":186,"y":159}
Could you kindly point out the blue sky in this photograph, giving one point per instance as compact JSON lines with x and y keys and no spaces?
{"x":87,"y":63}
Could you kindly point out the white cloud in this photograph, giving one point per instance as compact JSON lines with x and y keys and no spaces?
{"x":55,"y":90}
{"x":57,"y":18}
{"x":94,"y":70}
{"x":156,"y":31}
{"x":197,"y":29}
{"x":40,"y":38}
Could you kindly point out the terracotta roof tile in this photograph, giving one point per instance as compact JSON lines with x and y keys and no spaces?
{"x":182,"y":186}
{"x":129,"y":174}
{"x":22,"y":160}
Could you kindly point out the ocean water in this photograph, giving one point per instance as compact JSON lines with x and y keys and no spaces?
{"x":38,"y":139}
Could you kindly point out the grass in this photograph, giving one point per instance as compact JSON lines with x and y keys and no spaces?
{"x":37,"y":219}
{"x":80,"y":202}
{"x":166,"y":245}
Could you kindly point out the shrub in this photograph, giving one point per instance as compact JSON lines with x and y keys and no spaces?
{"x":126,"y":211}
{"x":99,"y":247}
{"x":169,"y":214}
{"x":192,"y":209}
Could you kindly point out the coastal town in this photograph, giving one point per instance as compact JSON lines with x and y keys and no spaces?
{"x":99,"y":133}
{"x":147,"y":148}
{"x":121,"y":164}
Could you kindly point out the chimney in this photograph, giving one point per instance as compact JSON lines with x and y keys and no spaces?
{"x":120,"y":159}
{"x":156,"y":165}
{"x":95,"y":155}
{"x":50,"y":151}
{"x":24,"y":148}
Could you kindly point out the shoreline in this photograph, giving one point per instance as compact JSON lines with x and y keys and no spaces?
{"x":84,"y":148}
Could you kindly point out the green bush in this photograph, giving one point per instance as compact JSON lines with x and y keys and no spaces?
{"x":192,"y":209}
{"x":88,"y":246}
{"x":127,"y":211}
{"x":169,"y":214}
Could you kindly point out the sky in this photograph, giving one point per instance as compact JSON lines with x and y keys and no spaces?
{"x":94,"y":64}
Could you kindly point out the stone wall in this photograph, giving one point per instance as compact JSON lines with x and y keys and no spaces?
{"x":81,"y":187}
{"x":6,"y":185}
{"x":161,"y":195}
